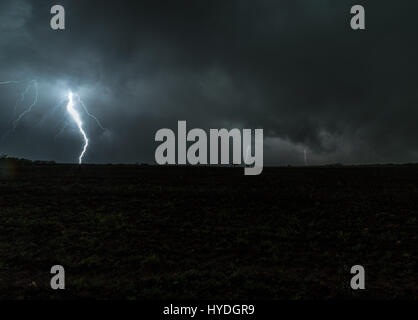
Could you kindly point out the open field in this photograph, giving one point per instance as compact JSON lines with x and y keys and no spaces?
{"x":135,"y":232}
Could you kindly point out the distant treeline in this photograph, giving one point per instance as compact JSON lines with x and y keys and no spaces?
{"x":6,"y":160}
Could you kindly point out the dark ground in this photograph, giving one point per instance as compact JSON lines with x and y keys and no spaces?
{"x":180,"y":232}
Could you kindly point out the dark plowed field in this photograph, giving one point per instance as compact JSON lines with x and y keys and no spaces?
{"x":143,"y":232}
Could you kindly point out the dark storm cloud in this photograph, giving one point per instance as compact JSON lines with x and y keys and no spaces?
{"x":294,"y":68}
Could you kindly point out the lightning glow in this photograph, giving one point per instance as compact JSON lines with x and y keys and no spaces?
{"x":76,"y":117}
{"x":71,"y":99}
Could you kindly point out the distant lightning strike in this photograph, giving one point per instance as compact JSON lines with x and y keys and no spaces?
{"x":74,"y":114}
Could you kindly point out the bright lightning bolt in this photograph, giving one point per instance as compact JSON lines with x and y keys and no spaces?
{"x":74,"y":114}
{"x":70,"y":109}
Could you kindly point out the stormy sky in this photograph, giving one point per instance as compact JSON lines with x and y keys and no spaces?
{"x":292,"y":67}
